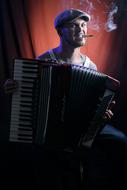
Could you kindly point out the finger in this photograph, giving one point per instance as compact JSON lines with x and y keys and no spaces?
{"x":9,"y":91}
{"x":112,"y":104}
{"x":10,"y":86}
{"x":108,"y":115}
{"x":10,"y":83}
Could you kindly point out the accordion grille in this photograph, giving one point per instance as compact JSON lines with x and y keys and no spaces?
{"x":71,"y":95}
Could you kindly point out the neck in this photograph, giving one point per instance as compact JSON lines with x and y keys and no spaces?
{"x":68,"y":53}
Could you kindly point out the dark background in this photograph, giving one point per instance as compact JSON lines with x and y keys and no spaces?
{"x":26,"y":30}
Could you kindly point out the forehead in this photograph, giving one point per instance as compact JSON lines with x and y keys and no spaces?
{"x":79,"y":21}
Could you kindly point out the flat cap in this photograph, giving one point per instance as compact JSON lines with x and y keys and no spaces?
{"x":69,"y":15}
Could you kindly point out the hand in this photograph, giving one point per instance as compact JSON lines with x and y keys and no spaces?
{"x":54,"y":61}
{"x":10,"y":86}
{"x":109,"y":114}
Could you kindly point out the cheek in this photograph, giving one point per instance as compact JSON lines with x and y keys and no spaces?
{"x":64,"y":31}
{"x":67,"y":33}
{"x":85,"y":30}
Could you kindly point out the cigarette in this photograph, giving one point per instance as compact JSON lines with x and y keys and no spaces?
{"x":89,"y":35}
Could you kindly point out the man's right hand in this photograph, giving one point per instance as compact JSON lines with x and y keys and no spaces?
{"x":9,"y":86}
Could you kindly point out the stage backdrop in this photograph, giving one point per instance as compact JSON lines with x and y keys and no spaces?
{"x":27,"y":30}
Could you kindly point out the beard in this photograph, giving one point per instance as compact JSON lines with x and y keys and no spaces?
{"x":75,"y":41}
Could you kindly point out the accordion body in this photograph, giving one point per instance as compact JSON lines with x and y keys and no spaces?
{"x":55,"y":104}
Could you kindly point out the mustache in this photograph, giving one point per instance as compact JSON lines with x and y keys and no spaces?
{"x":84,"y":35}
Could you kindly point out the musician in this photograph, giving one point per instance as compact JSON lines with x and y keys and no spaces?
{"x":71,"y":26}
{"x":64,"y":170}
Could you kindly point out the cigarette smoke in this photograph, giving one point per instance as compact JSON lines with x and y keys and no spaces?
{"x":109,"y":11}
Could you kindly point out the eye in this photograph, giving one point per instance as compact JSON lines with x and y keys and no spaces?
{"x":84,"y":25}
{"x":73,"y":25}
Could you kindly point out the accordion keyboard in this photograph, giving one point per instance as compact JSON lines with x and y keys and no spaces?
{"x":22,"y":102}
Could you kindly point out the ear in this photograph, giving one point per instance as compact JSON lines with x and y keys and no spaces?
{"x":59,"y":31}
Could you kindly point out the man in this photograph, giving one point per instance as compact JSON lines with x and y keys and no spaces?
{"x":62,"y":170}
{"x":71,"y":26}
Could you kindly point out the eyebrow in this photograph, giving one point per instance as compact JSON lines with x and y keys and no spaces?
{"x":84,"y":22}
{"x":77,"y":24}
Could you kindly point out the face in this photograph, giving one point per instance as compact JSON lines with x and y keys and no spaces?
{"x":74,"y":32}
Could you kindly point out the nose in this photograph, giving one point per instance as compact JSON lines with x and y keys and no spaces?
{"x":79,"y":28}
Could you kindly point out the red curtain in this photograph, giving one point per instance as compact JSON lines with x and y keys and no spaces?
{"x":27,"y":30}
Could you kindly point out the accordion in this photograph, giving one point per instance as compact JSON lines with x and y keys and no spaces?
{"x":57,"y":105}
